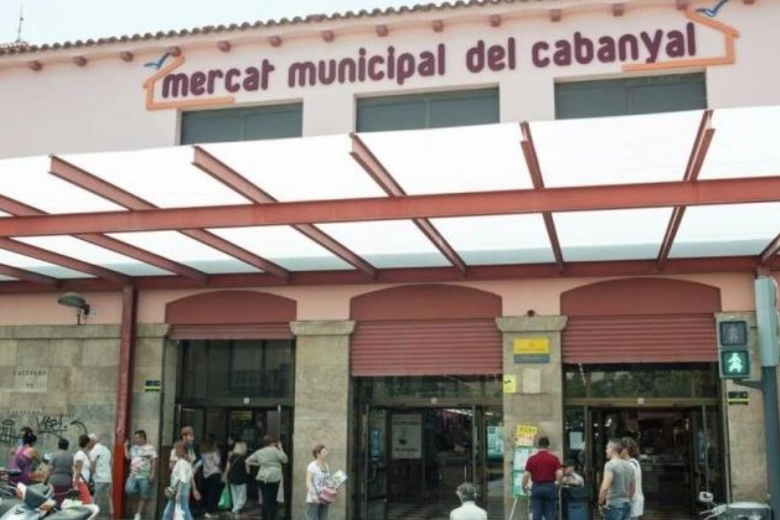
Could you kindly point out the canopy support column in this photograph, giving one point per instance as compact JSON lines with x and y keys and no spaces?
{"x":124,"y":395}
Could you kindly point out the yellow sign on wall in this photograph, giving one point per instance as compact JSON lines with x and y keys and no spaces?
{"x":510,"y":383}
{"x":531,"y":350}
{"x":525,"y":434}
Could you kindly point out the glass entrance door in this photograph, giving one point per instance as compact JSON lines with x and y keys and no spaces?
{"x":678,"y":452}
{"x":374,"y":484}
{"x":413,"y":460}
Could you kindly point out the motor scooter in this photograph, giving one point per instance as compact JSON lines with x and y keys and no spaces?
{"x":8,"y":498}
{"x":37,"y":502}
{"x":733,"y":511}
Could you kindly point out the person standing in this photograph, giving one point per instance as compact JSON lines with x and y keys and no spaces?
{"x":143,"y":468}
{"x":23,"y":458}
{"x":82,"y":470}
{"x":182,"y":481}
{"x":61,"y":471}
{"x":469,"y":510}
{"x":543,"y":471}
{"x":100,"y":457}
{"x":270,"y":459}
{"x":631,"y":454}
{"x":237,"y":477}
{"x":212,"y":476}
{"x":618,"y":485}
{"x":188,"y":437}
{"x":317,"y":476}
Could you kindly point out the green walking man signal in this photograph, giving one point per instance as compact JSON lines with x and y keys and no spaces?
{"x":734,"y":364}
{"x":733,"y":347}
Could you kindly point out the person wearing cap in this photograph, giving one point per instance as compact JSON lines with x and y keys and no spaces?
{"x":570,"y":476}
{"x":543,"y":469}
{"x":100,"y":457}
{"x":468,"y":510}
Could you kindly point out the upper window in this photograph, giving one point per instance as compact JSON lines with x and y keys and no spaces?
{"x":435,"y":110}
{"x":645,"y":95}
{"x":241,"y":124}
{"x":220,"y":369}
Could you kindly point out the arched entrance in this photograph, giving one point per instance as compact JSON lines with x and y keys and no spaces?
{"x":640,"y":360}
{"x":427,"y":361}
{"x":235,"y":369}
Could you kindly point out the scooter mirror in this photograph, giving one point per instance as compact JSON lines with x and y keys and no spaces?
{"x":706,"y":497}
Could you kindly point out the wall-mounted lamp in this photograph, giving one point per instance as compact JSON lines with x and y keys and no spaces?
{"x":78,"y":302}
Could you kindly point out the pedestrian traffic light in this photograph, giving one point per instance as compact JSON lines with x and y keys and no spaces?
{"x":734,"y":363}
{"x":733,"y":348}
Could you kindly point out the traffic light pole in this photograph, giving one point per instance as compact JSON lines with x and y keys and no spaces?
{"x":766,"y":318}
{"x":772,"y":425}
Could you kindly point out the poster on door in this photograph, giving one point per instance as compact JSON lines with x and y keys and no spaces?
{"x":407,"y":436}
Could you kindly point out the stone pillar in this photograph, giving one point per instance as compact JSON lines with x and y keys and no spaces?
{"x":539,"y":397}
{"x":321,"y":403}
{"x":146,"y":412}
{"x":745,"y":432}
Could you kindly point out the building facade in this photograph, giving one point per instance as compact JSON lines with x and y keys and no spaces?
{"x":415,"y":387}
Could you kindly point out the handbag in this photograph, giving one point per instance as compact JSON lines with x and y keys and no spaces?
{"x":225,"y":500}
{"x":90,"y":484}
{"x":327,"y":495}
{"x":178,"y":513}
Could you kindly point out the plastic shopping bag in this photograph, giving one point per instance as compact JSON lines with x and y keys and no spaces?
{"x":178,"y":513}
{"x":225,"y":500}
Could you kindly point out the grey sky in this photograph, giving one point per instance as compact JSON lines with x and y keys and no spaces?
{"x":49,"y":21}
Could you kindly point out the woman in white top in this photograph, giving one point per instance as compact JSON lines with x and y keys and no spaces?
{"x":212,"y":476}
{"x":182,"y":480}
{"x":82,"y":470}
{"x":317,"y":476}
{"x":631,"y":454}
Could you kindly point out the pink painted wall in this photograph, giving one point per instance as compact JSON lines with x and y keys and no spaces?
{"x":332,"y":303}
{"x":100,"y":107}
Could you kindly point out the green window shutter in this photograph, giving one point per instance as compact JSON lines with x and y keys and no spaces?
{"x":393,"y":114}
{"x":242,"y":124}
{"x":435,"y":110}
{"x":645,"y":95}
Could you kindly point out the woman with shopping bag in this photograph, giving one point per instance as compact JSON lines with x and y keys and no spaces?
{"x":182,"y":481}
{"x":237,"y":477}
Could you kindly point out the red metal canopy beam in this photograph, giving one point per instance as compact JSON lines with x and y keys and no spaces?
{"x":17,"y":208}
{"x":535,"y":170}
{"x":676,"y":266}
{"x":369,"y":162}
{"x":695,"y":162}
{"x":85,"y":180}
{"x":770,"y":252}
{"x":246,"y":188}
{"x":27,"y":276}
{"x":57,"y":259}
{"x":510,"y":202}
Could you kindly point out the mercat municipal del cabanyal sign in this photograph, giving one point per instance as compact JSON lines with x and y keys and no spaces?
{"x":172,"y":86}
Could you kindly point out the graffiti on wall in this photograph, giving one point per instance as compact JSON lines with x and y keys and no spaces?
{"x":49,"y":428}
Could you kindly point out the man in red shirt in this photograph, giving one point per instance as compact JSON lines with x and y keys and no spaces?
{"x":544,"y":470}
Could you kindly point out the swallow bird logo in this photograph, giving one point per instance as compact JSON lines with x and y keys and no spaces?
{"x":157,"y":65}
{"x":712,"y":12}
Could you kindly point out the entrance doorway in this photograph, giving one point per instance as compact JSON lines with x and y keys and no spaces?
{"x":676,"y":453}
{"x":413,"y":456}
{"x":249,"y":425}
{"x":674,"y":414}
{"x":239,"y":391}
